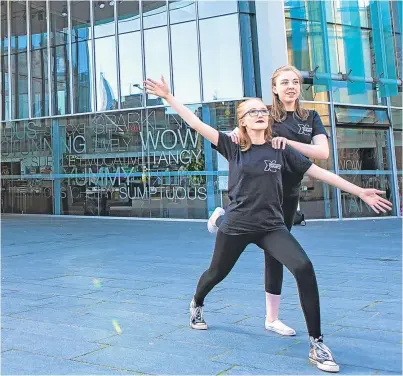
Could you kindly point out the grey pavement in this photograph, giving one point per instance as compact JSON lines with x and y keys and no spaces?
{"x":108,"y":296}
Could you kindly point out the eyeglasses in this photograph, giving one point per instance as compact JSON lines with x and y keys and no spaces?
{"x":255,"y":113}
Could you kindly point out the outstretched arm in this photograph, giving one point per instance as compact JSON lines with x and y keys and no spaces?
{"x":368,"y":195}
{"x":161,"y":89}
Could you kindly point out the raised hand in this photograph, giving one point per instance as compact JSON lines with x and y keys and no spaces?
{"x":160,"y":89}
{"x":377,"y":203}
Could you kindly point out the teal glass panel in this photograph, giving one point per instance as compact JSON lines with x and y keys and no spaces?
{"x":383,"y":45}
{"x":353,"y":46}
{"x":319,"y":44}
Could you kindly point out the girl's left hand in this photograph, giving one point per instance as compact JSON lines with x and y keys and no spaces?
{"x":279,"y":142}
{"x":377,"y":203}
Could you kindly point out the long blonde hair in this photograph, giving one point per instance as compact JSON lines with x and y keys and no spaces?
{"x":278,"y":111}
{"x":244,"y":140}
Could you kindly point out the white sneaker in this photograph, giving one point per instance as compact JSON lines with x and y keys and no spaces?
{"x":280,"y":328}
{"x":211,"y":224}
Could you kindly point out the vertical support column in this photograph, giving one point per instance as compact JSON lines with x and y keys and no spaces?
{"x":331,"y":100}
{"x":392,"y":164}
{"x":56,"y":159}
{"x":208,"y":162}
{"x":272,"y":36}
{"x":199,"y":52}
{"x":50,"y":99}
{"x":10,"y":73}
{"x":93,"y":71}
{"x":143,"y":57}
{"x":170,"y":60}
{"x":247,"y":53}
{"x":115,"y":13}
{"x":29,"y":65}
{"x":70,"y":58}
{"x":334,"y":150}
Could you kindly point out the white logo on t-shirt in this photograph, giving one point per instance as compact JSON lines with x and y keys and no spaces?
{"x":272,"y":166}
{"x":304,"y":129}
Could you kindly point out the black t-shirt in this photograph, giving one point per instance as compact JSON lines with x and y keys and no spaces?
{"x":295,"y":129}
{"x":255,"y":185}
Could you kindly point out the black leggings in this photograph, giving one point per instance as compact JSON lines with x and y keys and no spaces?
{"x":281,"y":245}
{"x":273,"y":270}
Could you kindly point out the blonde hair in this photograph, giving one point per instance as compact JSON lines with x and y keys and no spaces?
{"x":278,"y":111}
{"x":244,"y":139}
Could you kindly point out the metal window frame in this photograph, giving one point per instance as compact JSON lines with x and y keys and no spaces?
{"x":94,"y":70}
{"x":50,"y":101}
{"x":143,"y":53}
{"x":1,"y":70}
{"x":70,"y":57}
{"x":170,"y":59}
{"x":240,"y":47}
{"x":10,"y":73}
{"x":392,"y":154}
{"x":332,"y":114}
{"x":199,"y":57}
{"x":29,"y":59}
{"x":117,"y":54}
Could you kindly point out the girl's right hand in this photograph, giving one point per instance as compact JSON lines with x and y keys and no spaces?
{"x":160,"y":89}
{"x":234,"y":135}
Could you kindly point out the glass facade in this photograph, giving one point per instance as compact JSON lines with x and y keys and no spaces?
{"x":80,"y":137}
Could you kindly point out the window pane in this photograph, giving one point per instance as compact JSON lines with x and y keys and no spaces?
{"x":40,"y":86}
{"x":176,"y":152}
{"x":5,"y":100}
{"x":58,"y":23}
{"x":19,"y":84}
{"x":18,"y":26}
{"x":104,"y":24}
{"x":361,"y":117}
{"x":397,"y":135}
{"x":26,"y":150}
{"x":362,"y":149}
{"x":318,"y":200}
{"x":397,"y":100}
{"x":106,"y":75}
{"x":39,"y":36}
{"x":216,"y":8}
{"x":181,"y":11}
{"x":4,"y":76}
{"x":397,"y":119}
{"x":353,"y":207}
{"x":131,"y":71}
{"x":156,"y":57}
{"x":154,"y":14}
{"x":80,"y":20}
{"x":221,"y":61}
{"x":128,"y":16}
{"x":60,"y":80}
{"x":82,"y":76}
{"x":185,"y":62}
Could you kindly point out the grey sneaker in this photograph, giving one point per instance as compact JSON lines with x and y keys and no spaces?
{"x":196,"y":316}
{"x":321,"y":355}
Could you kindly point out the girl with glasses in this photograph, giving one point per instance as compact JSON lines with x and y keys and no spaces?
{"x":303,"y":131}
{"x":254,"y":214}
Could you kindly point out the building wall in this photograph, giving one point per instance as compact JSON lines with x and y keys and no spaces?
{"x":80,"y":137}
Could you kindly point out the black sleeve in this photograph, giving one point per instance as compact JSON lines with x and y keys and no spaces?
{"x":225,"y":146}
{"x":317,"y":125}
{"x":295,"y":164}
